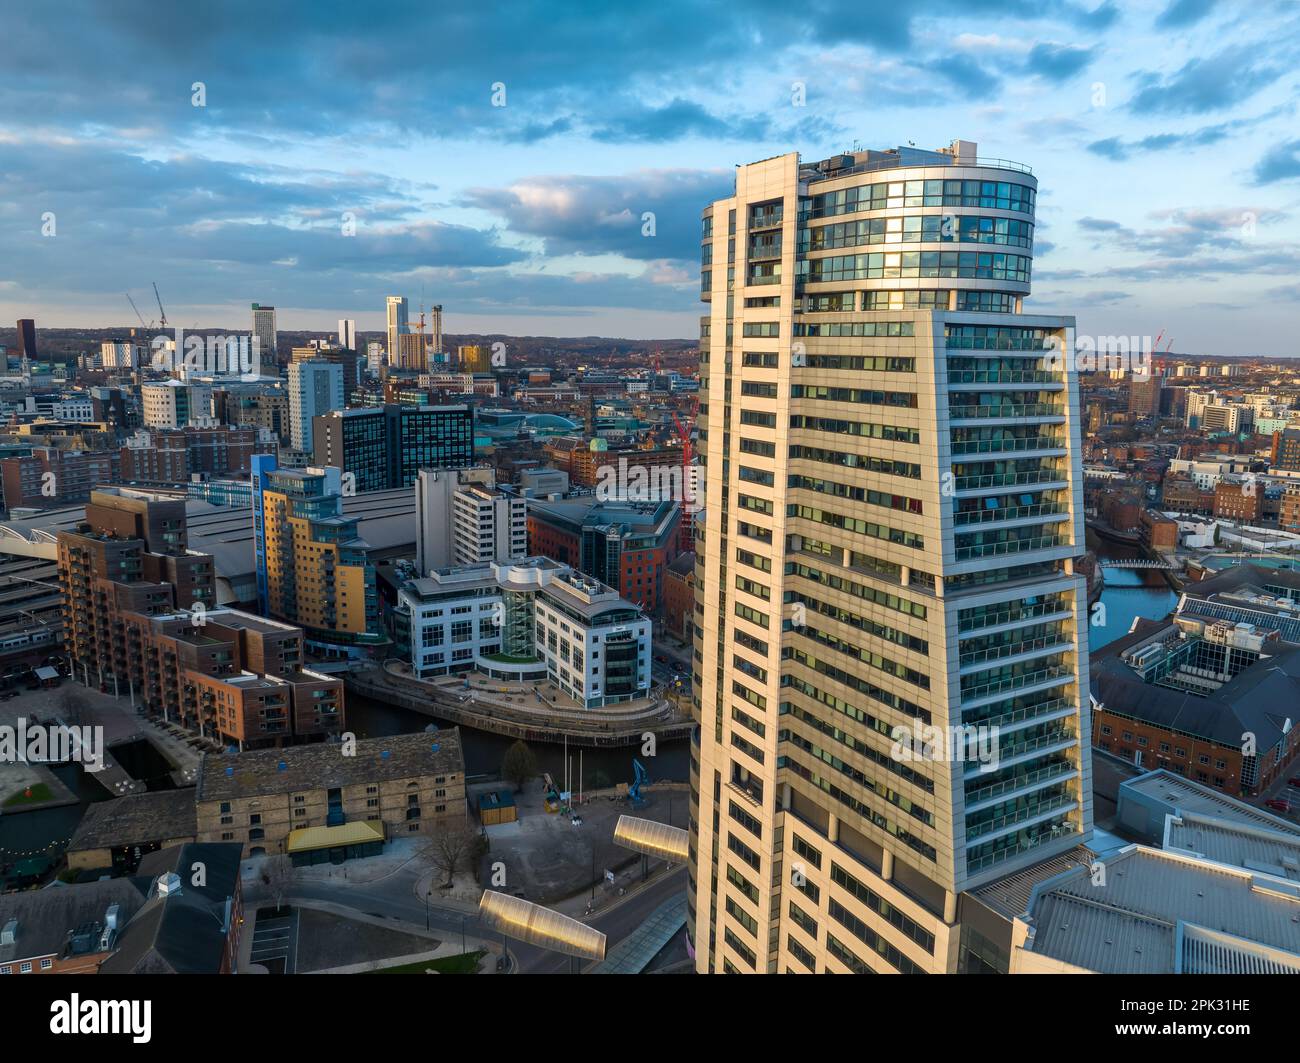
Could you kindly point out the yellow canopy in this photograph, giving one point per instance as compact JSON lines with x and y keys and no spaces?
{"x":357,"y":832}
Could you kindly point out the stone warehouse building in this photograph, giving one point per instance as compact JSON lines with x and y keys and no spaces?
{"x":335,"y":801}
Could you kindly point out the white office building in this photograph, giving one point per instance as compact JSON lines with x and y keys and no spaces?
{"x":529,"y":620}
{"x":463,"y":519}
{"x":174,"y":404}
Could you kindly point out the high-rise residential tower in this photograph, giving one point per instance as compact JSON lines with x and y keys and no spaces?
{"x":890,"y":638}
{"x":348,"y":334}
{"x":398,"y":325}
{"x":313,"y":569}
{"x":315,"y":388}
{"x":265,"y":333}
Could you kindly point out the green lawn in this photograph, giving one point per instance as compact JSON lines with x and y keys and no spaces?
{"x":465,"y":963}
{"x":40,"y":792}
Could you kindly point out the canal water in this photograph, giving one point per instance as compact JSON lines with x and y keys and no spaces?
{"x":367,"y":718}
{"x":1128,"y":593}
{"x":46,"y":832}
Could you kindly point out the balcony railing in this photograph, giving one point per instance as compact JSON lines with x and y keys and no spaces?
{"x":1004,"y":376}
{"x":1013,"y":546}
{"x":1014,"y":613}
{"x":980,"y":794}
{"x":1049,"y":833}
{"x":1008,"y":479}
{"x":1015,"y":682}
{"x":1007,"y":446}
{"x":1010,"y":819}
{"x":1018,"y":715}
{"x":997,"y":653}
{"x":1007,"y":409}
{"x":1001,"y":513}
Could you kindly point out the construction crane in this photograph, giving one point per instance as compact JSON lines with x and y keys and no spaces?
{"x":137,"y":312}
{"x":162,"y":322}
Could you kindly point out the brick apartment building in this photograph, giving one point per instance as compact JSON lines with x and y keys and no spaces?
{"x":1158,"y":532}
{"x":1288,"y":517}
{"x":140,"y":619}
{"x":679,"y":596}
{"x":174,"y":455}
{"x":51,"y":478}
{"x":1238,"y":500}
{"x":583,"y":464}
{"x":1181,"y":494}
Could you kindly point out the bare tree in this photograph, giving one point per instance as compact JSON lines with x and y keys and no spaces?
{"x":452,"y":846}
{"x":278,"y":875}
{"x":72,"y":707}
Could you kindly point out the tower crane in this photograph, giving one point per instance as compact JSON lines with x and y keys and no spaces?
{"x":162,"y":322}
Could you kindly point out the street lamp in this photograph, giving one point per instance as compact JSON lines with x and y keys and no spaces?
{"x":427,"y":897}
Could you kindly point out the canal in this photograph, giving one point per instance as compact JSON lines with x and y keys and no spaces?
{"x":1128,"y":593}
{"x":368,"y":718}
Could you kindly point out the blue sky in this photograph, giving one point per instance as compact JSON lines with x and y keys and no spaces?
{"x":1164,"y":136}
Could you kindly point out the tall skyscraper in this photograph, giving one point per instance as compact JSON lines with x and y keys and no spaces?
{"x":27,"y":339}
{"x":264,"y":330}
{"x":435,"y":334}
{"x":348,"y":334}
{"x":397,"y":326}
{"x":315,"y":388}
{"x":891,"y":678}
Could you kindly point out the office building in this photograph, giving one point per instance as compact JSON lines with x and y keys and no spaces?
{"x":383,"y":447}
{"x":315,"y":388}
{"x":1208,"y":887}
{"x":267,"y":340}
{"x":344,"y":357}
{"x":463,"y":519}
{"x":527,"y":620}
{"x":891,"y":679}
{"x":175,"y":404}
{"x":319,"y":806}
{"x":1180,"y":694}
{"x":266,"y":407}
{"x":398,"y":325}
{"x":312,"y":567}
{"x":625,"y":544}
{"x":26,"y":346}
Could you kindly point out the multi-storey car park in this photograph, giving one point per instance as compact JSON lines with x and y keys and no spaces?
{"x":892,"y":510}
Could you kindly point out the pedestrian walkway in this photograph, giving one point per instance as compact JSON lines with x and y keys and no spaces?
{"x":633,"y":954}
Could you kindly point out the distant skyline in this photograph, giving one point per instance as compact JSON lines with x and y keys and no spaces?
{"x":1163,"y":135}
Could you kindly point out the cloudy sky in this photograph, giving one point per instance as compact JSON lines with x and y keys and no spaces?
{"x":347,"y":151}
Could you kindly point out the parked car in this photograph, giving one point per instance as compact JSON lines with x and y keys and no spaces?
{"x":1278,"y":804}
{"x":1294,"y":781}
